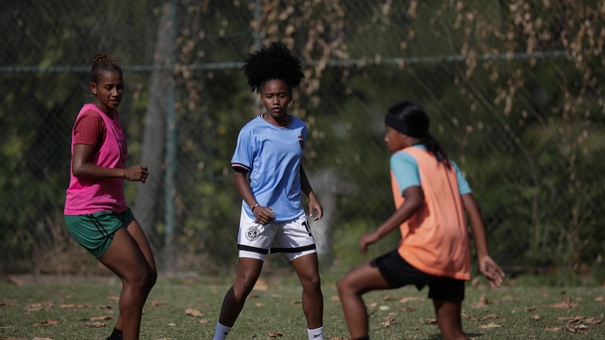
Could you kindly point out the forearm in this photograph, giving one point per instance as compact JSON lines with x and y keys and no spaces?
{"x":413,"y":201}
{"x":93,"y":170}
{"x":477,"y":224}
{"x":243,"y":187}
{"x":305,"y":185}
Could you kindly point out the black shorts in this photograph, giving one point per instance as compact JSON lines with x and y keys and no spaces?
{"x":398,"y":273}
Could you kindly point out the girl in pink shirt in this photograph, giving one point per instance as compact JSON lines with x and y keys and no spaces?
{"x":95,"y":212}
{"x":434,"y":248}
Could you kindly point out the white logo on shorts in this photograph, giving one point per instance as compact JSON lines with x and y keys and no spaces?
{"x":252,"y":233}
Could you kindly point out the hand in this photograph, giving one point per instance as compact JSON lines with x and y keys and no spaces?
{"x":137,"y":173}
{"x":315,"y":205}
{"x":491,"y":270}
{"x":365,"y":240}
{"x":263,"y":215}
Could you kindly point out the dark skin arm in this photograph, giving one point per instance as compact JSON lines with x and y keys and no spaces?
{"x":487,"y":265}
{"x":263,"y":214}
{"x":313,"y":201}
{"x":81,"y":166}
{"x":413,"y":200}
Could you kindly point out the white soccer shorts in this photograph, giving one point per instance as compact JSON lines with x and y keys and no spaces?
{"x":293,"y":238}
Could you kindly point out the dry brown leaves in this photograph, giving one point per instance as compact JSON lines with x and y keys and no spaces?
{"x":37,"y":307}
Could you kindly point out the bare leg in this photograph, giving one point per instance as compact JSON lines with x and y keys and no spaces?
{"x":449,"y":319}
{"x":129,"y":256}
{"x":248,"y":271}
{"x":351,"y":287}
{"x":307,"y":268}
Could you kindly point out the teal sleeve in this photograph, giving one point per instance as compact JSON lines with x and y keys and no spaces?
{"x":462,"y":183}
{"x":405,"y":170}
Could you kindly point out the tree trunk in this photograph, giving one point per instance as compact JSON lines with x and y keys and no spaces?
{"x":152,"y":149}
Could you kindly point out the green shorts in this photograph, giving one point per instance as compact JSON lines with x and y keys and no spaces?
{"x":95,"y":231}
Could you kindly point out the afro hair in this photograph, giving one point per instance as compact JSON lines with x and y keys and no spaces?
{"x":271,"y":63}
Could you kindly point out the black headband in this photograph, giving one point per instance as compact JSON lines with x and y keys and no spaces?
{"x":399,"y":125}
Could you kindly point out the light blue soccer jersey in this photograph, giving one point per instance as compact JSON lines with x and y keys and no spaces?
{"x":405,"y":170}
{"x":272,"y":155}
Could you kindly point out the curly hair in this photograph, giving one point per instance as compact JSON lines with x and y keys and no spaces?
{"x":271,"y":63}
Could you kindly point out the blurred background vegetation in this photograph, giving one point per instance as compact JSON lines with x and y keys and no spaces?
{"x":512,"y":89}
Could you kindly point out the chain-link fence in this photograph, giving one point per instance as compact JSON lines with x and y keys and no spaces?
{"x":511,"y":87}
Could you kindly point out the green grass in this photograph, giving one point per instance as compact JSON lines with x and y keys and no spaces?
{"x":510,"y":312}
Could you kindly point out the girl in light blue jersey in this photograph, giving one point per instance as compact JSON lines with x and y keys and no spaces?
{"x":270,"y":178}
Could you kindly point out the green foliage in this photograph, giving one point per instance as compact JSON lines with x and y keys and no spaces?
{"x":511,"y":90}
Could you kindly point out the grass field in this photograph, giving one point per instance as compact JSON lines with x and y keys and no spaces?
{"x":70,"y":308}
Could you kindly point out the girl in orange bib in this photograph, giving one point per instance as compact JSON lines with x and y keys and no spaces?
{"x":431,"y":197}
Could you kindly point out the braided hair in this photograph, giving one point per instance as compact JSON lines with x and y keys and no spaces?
{"x":101,"y":63}
{"x":410,"y":119}
{"x":274,"y":62}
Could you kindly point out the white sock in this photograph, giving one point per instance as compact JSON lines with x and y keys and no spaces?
{"x":221,"y":332}
{"x":316,"y":334}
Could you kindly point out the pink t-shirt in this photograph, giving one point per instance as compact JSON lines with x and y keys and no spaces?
{"x":87,"y":195}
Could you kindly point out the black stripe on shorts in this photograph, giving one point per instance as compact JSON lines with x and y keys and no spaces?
{"x":253,"y":249}
{"x":97,"y":224}
{"x":293,"y":250}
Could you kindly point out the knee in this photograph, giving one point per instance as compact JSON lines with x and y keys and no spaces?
{"x":312,"y":283}
{"x":143,"y":279}
{"x":346,"y":286}
{"x":243,"y":286}
{"x":342,"y":286}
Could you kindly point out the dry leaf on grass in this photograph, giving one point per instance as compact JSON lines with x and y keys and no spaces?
{"x":95,"y":324}
{"x":599,"y":299}
{"x":571,"y":319}
{"x":389,"y":321}
{"x":36,"y":307}
{"x":388,"y":298}
{"x":553,"y":329}
{"x":481,"y":303}
{"x":576,"y":328}
{"x":536,"y":317}
{"x":193,"y":312}
{"x":593,"y":321}
{"x":203,"y":321}
{"x":47,"y":323}
{"x":98,"y":318}
{"x":103,"y":307}
{"x":491,"y":325}
{"x":32,"y":339}
{"x":530,"y":309}
{"x":274,"y":334}
{"x":567,"y":304}
{"x":430,"y":321}
{"x":172,"y":324}
{"x":113,"y":298}
{"x":468,"y":317}
{"x":409,"y":309}
{"x":157,"y":303}
{"x":488,"y":316}
{"x":408,"y":299}
{"x":74,"y":306}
